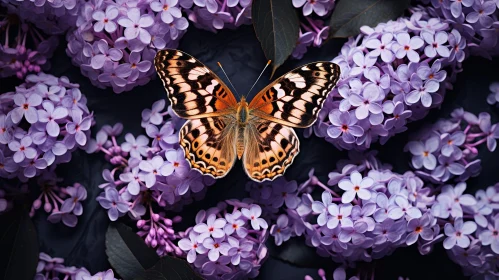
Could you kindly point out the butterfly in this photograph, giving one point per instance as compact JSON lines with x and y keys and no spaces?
{"x":220,"y":129}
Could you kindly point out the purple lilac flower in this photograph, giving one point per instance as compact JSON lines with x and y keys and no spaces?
{"x":355,"y":186}
{"x":55,"y":267}
{"x":490,"y":236}
{"x":230,"y":255}
{"x":62,"y":204}
{"x":447,"y":149}
{"x":53,"y":17}
{"x":304,"y":41}
{"x":34,"y":122}
{"x":343,"y":124}
{"x":253,"y":214}
{"x":391,"y":74}
{"x":280,"y":230}
{"x":423,"y":153}
{"x":25,"y":49}
{"x":398,"y":213}
{"x":134,"y":32}
{"x":493,"y":97}
{"x":150,"y":172}
{"x":113,"y":203}
{"x":457,"y":233}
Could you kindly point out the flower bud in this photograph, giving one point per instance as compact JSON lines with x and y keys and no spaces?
{"x":155,"y":217}
{"x":167,"y":222}
{"x":140,"y":223}
{"x":47,"y":207}
{"x":37,"y":203}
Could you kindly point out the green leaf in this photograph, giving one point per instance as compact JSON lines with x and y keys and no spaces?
{"x":350,"y":15}
{"x":127,"y":252}
{"x":170,"y":268}
{"x":277,"y":28}
{"x":18,"y":245}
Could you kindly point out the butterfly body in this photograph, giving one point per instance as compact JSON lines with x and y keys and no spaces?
{"x":242,"y":120}
{"x":220,"y":130}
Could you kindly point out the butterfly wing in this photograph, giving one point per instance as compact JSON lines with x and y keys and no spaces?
{"x":296,"y":98}
{"x":270,"y":148}
{"x":293,"y":100}
{"x":193,"y":89}
{"x":209,"y":144}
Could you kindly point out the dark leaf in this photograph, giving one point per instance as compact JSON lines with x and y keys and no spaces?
{"x":170,"y":268}
{"x":277,"y":27}
{"x":297,"y":253}
{"x":350,"y":15}
{"x":18,"y":245}
{"x":127,"y":253}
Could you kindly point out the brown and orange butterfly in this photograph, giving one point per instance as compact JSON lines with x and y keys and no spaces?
{"x":220,"y":129}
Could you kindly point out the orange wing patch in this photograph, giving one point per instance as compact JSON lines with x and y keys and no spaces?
{"x":193,"y":89}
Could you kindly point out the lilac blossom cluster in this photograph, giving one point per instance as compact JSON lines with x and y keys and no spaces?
{"x":213,"y":15}
{"x":340,"y":274}
{"x":228,"y":241}
{"x":390,"y":75}
{"x":62,"y":203}
{"x":367,"y":211}
{"x":24,"y":48}
{"x":148,"y":170}
{"x":53,"y":17}
{"x":41,"y":123}
{"x":476,"y":20}
{"x":115,"y":42}
{"x":54,"y":268}
{"x":313,"y":30}
{"x":470,"y":228}
{"x":448,"y":148}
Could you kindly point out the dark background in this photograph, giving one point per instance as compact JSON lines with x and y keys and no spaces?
{"x":242,"y":58}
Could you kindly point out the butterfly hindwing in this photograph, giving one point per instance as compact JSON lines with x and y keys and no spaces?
{"x":209,"y":144}
{"x":193,"y":89}
{"x":296,"y":98}
{"x":270,"y":149}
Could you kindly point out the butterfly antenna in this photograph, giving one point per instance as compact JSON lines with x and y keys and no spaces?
{"x":219,"y":64}
{"x":268,"y":63}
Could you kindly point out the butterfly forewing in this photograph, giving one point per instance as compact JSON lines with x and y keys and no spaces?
{"x":193,"y":89}
{"x":296,"y":98}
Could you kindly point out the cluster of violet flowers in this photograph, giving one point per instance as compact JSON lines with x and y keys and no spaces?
{"x":213,"y":15}
{"x":148,"y":171}
{"x":63,"y":204}
{"x":340,"y":273}
{"x":53,"y":17}
{"x":476,"y":20}
{"x":228,"y":241}
{"x":23,"y":47}
{"x":447,"y":149}
{"x":391,"y":74}
{"x":54,"y":268}
{"x":366,"y":211}
{"x":313,"y":30}
{"x":41,"y":123}
{"x":115,"y":42}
